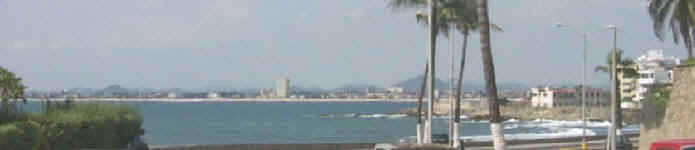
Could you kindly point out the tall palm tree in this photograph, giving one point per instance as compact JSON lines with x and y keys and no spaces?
{"x":680,"y":17}
{"x":624,"y":67}
{"x":439,"y":26}
{"x":489,"y":70}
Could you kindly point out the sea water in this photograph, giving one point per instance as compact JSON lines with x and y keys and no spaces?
{"x":197,"y":123}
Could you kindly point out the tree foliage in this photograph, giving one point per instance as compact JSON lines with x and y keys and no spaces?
{"x":91,"y":125}
{"x":680,"y":17}
{"x":11,"y":92}
{"x":624,"y":65}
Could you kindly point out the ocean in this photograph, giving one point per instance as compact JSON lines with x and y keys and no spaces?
{"x":198,"y":123}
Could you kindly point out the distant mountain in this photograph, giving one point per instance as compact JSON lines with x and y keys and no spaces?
{"x":413,"y":84}
{"x":80,"y":90}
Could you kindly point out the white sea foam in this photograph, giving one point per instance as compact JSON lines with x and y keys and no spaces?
{"x":395,"y":116}
{"x":447,"y":117}
{"x":563,"y":124}
{"x":511,"y":121}
{"x":372,"y":116}
{"x":511,"y":126}
{"x":378,"y":116}
{"x":350,"y":115}
{"x":569,"y":132}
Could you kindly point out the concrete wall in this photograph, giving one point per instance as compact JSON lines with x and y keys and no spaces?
{"x":677,"y":122}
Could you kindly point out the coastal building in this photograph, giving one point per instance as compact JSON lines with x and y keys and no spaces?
{"x":395,"y":90}
{"x":627,"y":86}
{"x":282,"y":87}
{"x":653,"y":68}
{"x":213,"y":95}
{"x":547,"y":97}
{"x":172,"y":95}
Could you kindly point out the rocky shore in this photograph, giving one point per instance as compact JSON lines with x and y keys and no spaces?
{"x":525,"y":112}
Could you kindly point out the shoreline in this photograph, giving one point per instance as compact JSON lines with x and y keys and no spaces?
{"x":226,"y":100}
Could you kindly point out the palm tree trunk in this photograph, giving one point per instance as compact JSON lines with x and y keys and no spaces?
{"x":432,"y":20}
{"x":419,"y":105}
{"x":489,"y":69}
{"x":459,"y":84}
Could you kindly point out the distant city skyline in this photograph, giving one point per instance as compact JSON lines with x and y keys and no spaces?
{"x":242,"y":43}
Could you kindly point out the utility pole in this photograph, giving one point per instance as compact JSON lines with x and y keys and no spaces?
{"x":613,"y":86}
{"x":451,"y":89}
{"x":584,"y":36}
{"x":432,"y":19}
{"x":584,"y":146}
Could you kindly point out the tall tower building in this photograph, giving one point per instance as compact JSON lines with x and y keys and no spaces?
{"x":282,"y":87}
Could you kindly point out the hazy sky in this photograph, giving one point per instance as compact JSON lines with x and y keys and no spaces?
{"x":251,"y":43}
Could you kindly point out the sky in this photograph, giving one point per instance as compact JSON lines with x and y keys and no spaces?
{"x":56,"y":45}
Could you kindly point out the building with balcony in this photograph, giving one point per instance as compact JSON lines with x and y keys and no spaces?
{"x":653,"y":68}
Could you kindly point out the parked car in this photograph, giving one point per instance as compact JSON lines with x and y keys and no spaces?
{"x":675,"y":144}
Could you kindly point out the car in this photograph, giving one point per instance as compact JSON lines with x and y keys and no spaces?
{"x":674,"y":144}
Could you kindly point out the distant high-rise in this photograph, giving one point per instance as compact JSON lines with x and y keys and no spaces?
{"x":282,"y":87}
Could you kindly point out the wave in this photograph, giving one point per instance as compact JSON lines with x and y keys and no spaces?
{"x":382,"y":116}
{"x":356,"y":115}
{"x":447,"y":117}
{"x":511,"y":121}
{"x":565,"y":123}
{"x":569,"y":132}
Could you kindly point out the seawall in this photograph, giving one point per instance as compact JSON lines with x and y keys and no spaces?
{"x":677,"y":122}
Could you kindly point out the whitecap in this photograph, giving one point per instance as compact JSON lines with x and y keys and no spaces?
{"x":569,"y":132}
{"x":395,"y":116}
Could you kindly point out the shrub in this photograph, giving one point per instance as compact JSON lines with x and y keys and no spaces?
{"x":24,"y":135}
{"x":689,"y":61}
{"x":90,"y":125}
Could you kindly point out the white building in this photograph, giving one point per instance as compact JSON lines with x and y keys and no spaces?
{"x":172,"y":95}
{"x":282,"y":87}
{"x":213,"y":95}
{"x":395,"y":90}
{"x":565,"y":97}
{"x":653,"y":68}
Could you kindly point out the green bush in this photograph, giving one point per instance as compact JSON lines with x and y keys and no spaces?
{"x":24,"y":135}
{"x":689,"y":61}
{"x":91,"y":125}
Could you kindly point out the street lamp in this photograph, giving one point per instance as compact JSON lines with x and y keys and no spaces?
{"x":612,"y":134}
{"x":584,"y":36}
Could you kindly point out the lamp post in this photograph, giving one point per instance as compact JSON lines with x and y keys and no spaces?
{"x":612,"y":132}
{"x":431,"y":84}
{"x":585,"y":38}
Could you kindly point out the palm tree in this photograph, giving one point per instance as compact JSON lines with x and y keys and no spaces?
{"x":624,"y":67}
{"x":489,"y":69}
{"x":680,"y":16}
{"x":439,"y":23}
